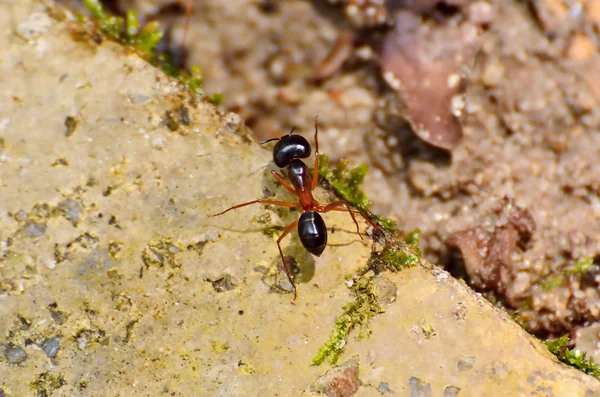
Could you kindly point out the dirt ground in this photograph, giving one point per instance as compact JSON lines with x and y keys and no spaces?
{"x":513,"y":206}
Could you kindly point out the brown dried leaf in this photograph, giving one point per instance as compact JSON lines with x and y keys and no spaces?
{"x":488,"y":256}
{"x":522,"y":220}
{"x":473,"y":245}
{"x":421,"y":62}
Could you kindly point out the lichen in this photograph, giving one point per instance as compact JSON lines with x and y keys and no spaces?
{"x":70,"y":125}
{"x":269,"y":229}
{"x":346,"y":183}
{"x":161,"y":252}
{"x":47,"y":383}
{"x":573,"y":357}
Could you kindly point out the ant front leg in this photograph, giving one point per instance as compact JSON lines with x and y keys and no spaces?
{"x":272,"y":202}
{"x":284,"y":183}
{"x":315,"y":179}
{"x":285,"y":266}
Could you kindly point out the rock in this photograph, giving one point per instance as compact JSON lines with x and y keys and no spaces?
{"x":156,"y":323}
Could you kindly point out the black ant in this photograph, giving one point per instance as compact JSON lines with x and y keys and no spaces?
{"x":287,"y":153}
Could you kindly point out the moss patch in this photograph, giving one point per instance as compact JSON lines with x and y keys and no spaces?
{"x":395,"y":256}
{"x":578,"y":269}
{"x":144,"y":40}
{"x":355,"y":314}
{"x":346,"y":182}
{"x":573,"y":357}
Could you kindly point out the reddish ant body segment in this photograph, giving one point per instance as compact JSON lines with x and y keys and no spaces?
{"x":287,"y":153}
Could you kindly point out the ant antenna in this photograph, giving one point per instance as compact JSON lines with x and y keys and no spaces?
{"x":268,"y":140}
{"x":276,"y":139}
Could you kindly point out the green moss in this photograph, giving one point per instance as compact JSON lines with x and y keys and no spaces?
{"x":578,"y":269}
{"x":357,"y":313}
{"x":346,"y":182}
{"x":573,"y":357}
{"x":216,"y":99}
{"x":550,"y":283}
{"x":413,"y":237}
{"x":395,"y":256}
{"x":143,"y":40}
{"x":132,"y":24}
{"x":401,"y":259}
{"x":95,"y":8}
{"x":193,"y":80}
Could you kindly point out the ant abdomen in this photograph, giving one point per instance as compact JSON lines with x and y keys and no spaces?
{"x":288,"y":148}
{"x":312,"y":232}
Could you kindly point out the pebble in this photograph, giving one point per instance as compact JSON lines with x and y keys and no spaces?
{"x":50,"y":346}
{"x":15,"y":355}
{"x":32,"y":229}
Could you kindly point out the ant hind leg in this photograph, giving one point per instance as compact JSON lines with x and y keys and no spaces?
{"x":335,"y":206}
{"x":287,"y":230}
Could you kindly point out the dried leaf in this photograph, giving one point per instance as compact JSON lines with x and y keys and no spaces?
{"x":421,"y":62}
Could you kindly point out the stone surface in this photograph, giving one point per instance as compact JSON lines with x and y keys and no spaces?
{"x":106,"y":242}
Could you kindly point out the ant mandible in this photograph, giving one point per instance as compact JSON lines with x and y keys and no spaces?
{"x":287,"y":153}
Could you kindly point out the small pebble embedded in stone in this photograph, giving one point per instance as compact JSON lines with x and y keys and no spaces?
{"x":50,"y":346}
{"x":15,"y":355}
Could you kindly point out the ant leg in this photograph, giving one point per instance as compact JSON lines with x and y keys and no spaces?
{"x":315,"y":179}
{"x":335,"y":206}
{"x":188,"y":16}
{"x":366,"y":218}
{"x":285,"y":266}
{"x":284,"y":183}
{"x":273,"y":202}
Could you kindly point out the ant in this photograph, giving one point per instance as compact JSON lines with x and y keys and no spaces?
{"x":287,"y":153}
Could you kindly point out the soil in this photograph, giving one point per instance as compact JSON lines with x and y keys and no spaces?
{"x":530,"y":129}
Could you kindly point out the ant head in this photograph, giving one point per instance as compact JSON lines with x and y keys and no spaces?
{"x":288,"y":148}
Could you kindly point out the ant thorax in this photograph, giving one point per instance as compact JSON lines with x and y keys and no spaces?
{"x":299,"y":175}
